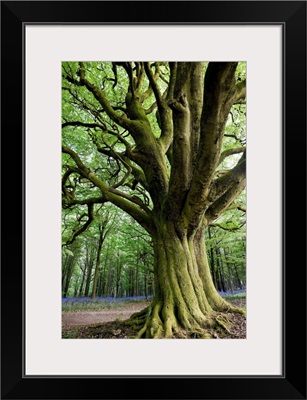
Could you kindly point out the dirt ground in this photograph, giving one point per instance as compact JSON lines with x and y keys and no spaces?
{"x":113,"y":324}
{"x":77,"y":318}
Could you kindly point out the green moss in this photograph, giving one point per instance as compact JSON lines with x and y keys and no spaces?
{"x":135,"y":111}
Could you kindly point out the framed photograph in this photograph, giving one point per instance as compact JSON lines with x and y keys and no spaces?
{"x":194,"y":71}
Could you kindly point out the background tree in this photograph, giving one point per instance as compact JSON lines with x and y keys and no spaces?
{"x":226,"y":238}
{"x":114,"y":257}
{"x":69,"y":259}
{"x":153,"y":138}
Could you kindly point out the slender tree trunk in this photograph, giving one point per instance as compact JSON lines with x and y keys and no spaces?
{"x":64,"y":269}
{"x":229,"y":269}
{"x":83,"y":280}
{"x":145,"y":285}
{"x":103,"y":278}
{"x":118,"y":277}
{"x":212,"y":262}
{"x":137,"y":278}
{"x":131,"y":282}
{"x":90,"y":262}
{"x":220,"y":270}
{"x":239,"y":282}
{"x":69,"y":271}
{"x":76,"y":286}
{"x":96,"y":272}
{"x":110,"y":282}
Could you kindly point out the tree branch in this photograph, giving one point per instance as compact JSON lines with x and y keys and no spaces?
{"x":164,"y":115}
{"x":88,"y":201}
{"x":151,"y":108}
{"x":139,"y":75}
{"x":229,"y":152}
{"x":227,"y":228}
{"x":69,"y":195}
{"x":149,"y":90}
{"x":240,"y":92}
{"x":108,"y":194}
{"x":223,"y":183}
{"x":219,"y":89}
{"x":172,"y":81}
{"x":237,"y":206}
{"x":153,"y":84}
{"x":84,"y":124}
{"x":134,"y":199}
{"x":223,"y":202}
{"x":101,"y":98}
{"x":84,"y":227}
{"x":186,"y":110}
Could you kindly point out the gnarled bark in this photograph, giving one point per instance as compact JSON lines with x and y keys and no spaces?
{"x":186,"y":303}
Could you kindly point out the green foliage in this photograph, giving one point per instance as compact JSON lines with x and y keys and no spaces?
{"x":69,"y":252}
{"x":235,"y":297}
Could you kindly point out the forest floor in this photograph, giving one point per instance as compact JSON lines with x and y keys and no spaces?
{"x":112,"y":323}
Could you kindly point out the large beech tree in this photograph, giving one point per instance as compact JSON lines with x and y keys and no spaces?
{"x":149,"y":138}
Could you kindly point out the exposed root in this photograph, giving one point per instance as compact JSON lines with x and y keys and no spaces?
{"x":223,"y":306}
{"x":157,"y":323}
{"x":199,"y":334}
{"x":140,"y":314}
{"x":141,"y":332}
{"x":236,"y":310}
{"x":223,"y":322}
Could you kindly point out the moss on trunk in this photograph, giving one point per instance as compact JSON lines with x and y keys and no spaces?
{"x":186,"y":303}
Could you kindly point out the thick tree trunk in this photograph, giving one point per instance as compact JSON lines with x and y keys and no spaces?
{"x":186,"y":303}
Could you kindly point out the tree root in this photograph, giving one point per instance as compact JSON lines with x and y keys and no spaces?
{"x":152,"y":323}
{"x":140,"y":314}
{"x":237,"y":310}
{"x":224,"y":306}
{"x":223,"y":322}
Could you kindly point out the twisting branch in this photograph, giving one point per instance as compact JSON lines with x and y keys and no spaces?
{"x":171,"y":86}
{"x":138,"y":174}
{"x":88,"y":201}
{"x":223,"y":202}
{"x":237,"y":206}
{"x":163,"y":114}
{"x":224,"y":182}
{"x":134,"y":199}
{"x":99,"y":95}
{"x":83,"y":228}
{"x":227,"y":228}
{"x":117,"y":156}
{"x":153,"y":84}
{"x":69,"y":195}
{"x":229,"y":152}
{"x":84,"y":124}
{"x":240,"y":92}
{"x":151,"y":108}
{"x":232,"y":135}
{"x":149,"y":90}
{"x":80,"y":103}
{"x":139,"y":75}
{"x":109,"y":194}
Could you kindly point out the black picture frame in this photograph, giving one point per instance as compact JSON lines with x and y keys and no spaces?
{"x":292,"y":383}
